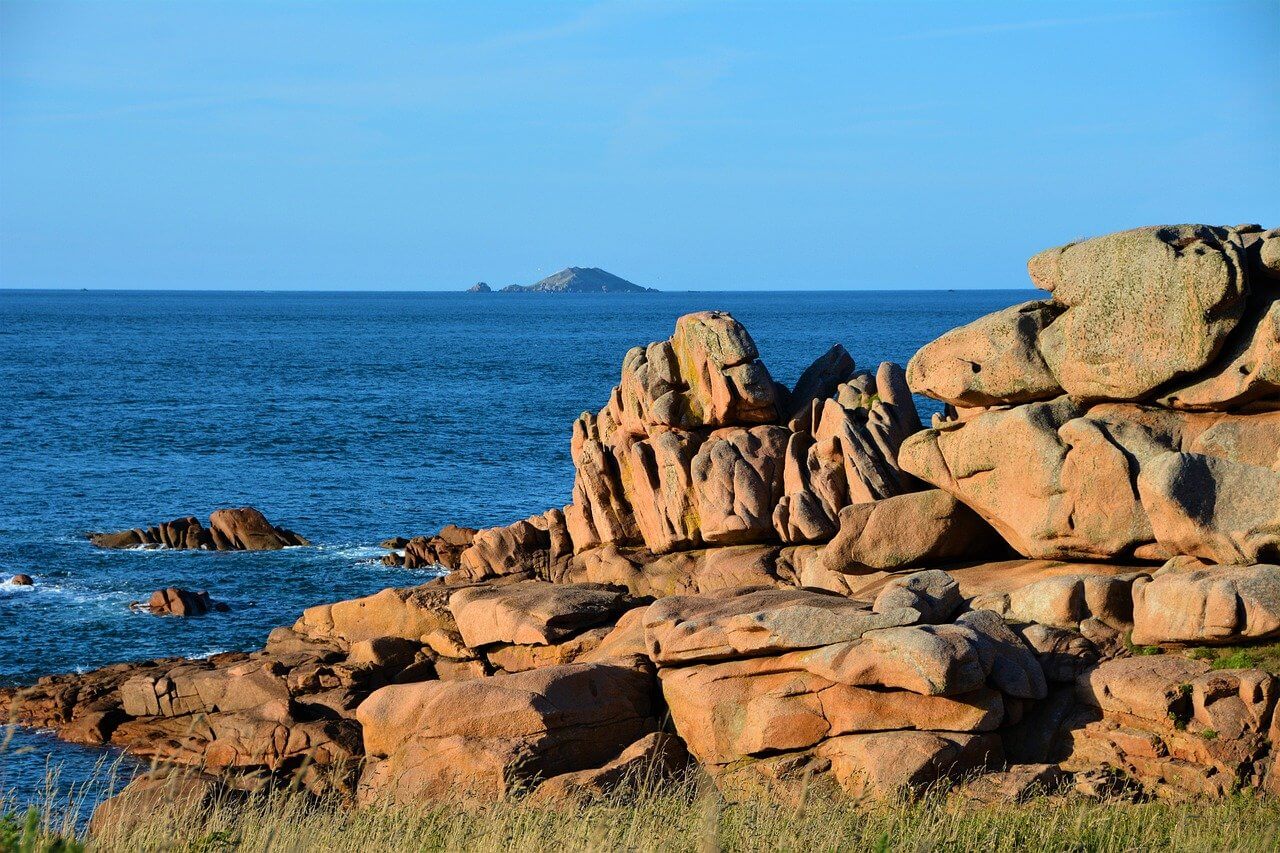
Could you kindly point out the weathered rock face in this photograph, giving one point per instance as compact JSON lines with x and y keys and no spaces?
{"x":1219,"y":509}
{"x":1182,"y":288}
{"x":749,"y":675}
{"x":487,"y":737}
{"x":698,"y":447}
{"x":1183,"y":603}
{"x":244,"y":529}
{"x":1059,"y":481}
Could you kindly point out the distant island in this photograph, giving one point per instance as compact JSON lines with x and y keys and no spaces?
{"x":572,"y":280}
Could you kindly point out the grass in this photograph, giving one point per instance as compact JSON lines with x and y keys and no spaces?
{"x":1265,"y":657}
{"x":680,"y":816}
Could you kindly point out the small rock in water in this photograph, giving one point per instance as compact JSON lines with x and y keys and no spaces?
{"x":180,"y":602}
{"x":22,"y":580}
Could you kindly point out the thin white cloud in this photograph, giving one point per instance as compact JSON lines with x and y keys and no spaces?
{"x":590,"y":19}
{"x":1020,"y":26}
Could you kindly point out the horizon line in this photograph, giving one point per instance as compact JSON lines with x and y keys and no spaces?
{"x":499,"y":294}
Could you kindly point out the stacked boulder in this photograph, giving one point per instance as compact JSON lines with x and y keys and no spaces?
{"x":1135,"y":416}
{"x":698,"y":446}
{"x":699,"y":451}
{"x":792,"y":687}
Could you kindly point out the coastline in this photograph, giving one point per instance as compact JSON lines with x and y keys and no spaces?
{"x":856,"y":585}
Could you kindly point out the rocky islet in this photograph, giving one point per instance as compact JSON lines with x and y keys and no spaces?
{"x":792,"y":586}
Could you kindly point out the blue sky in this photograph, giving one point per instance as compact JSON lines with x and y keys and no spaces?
{"x":682,"y":145}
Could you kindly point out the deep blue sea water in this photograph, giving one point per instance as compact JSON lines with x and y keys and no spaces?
{"x":348,"y":417}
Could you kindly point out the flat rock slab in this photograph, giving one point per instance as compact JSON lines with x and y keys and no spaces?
{"x":532,"y":613}
{"x":689,"y":628}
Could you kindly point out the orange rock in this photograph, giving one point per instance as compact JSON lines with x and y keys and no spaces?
{"x":920,"y":528}
{"x":488,"y":736}
{"x":737,"y":481}
{"x":1142,"y":307}
{"x":994,"y":360}
{"x":1221,"y":510}
{"x":247,"y":529}
{"x":684,"y":629}
{"x":531,"y":612}
{"x":736,"y":709}
{"x":410,"y":612}
{"x":1210,"y":604}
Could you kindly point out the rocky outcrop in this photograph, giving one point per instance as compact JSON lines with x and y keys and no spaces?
{"x":699,"y":447}
{"x":1134,"y":316}
{"x":751,"y":677}
{"x":244,"y":529}
{"x":180,"y":602}
{"x":443,"y":550}
{"x":803,"y":587}
{"x":1133,"y":415}
{"x":1177,"y":726}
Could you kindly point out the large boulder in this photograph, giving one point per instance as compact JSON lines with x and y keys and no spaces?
{"x":1055,"y":484}
{"x":1142,"y":307}
{"x":994,"y":360}
{"x":532,"y":612}
{"x":1061,"y":481}
{"x":698,"y":446}
{"x":490,"y":736}
{"x":686,"y":628}
{"x":247,"y":529}
{"x":413,"y":613}
{"x":820,"y":380}
{"x":1218,"y":509}
{"x":1207,"y":604}
{"x":733,"y":710}
{"x":919,"y":528}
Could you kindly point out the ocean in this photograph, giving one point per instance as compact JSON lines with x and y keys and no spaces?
{"x":347,"y":417}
